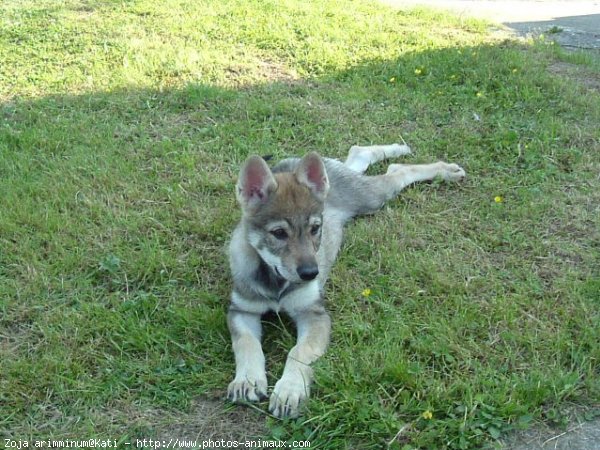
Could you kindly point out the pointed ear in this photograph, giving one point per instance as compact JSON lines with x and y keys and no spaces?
{"x":311,"y":172}
{"x":255,"y":183}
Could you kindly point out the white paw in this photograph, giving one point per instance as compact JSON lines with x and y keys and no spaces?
{"x":453,"y":172}
{"x":395,"y":150}
{"x":247,"y":389}
{"x":287,"y":397}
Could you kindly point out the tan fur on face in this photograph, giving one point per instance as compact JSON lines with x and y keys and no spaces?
{"x":290,"y":201}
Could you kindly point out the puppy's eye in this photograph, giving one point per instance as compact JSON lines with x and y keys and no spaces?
{"x":314,"y":230}
{"x":279,"y":233}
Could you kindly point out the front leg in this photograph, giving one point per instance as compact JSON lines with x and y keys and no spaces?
{"x":293,"y":388}
{"x":250,"y":382}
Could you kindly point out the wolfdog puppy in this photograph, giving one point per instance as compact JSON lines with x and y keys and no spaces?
{"x":284,"y":247}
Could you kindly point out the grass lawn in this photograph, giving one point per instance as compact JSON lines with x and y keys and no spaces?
{"x":122,"y":128}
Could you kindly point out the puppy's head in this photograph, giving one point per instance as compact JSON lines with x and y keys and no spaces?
{"x":284,"y":213}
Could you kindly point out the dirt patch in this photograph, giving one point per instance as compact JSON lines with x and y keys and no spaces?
{"x":587,"y":79}
{"x":214,"y":419}
{"x":579,"y":434}
{"x":261,"y":71}
{"x":20,"y":336}
{"x":271,"y":70}
{"x":207,"y":418}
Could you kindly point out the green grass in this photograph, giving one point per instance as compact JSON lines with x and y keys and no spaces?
{"x":122,"y":127}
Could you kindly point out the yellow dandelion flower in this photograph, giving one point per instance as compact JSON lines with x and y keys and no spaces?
{"x":427,"y":415}
{"x":418,"y":71}
{"x":514,"y":71}
{"x":498,"y":199}
{"x":366,"y":292}
{"x":393,"y":80}
{"x":479,"y":94}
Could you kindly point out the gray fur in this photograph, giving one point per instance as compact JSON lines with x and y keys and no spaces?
{"x":295,"y":196}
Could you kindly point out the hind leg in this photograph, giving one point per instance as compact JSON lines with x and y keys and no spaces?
{"x":353,"y":194}
{"x":367,"y":194}
{"x":360,"y":158}
{"x":406,"y":174}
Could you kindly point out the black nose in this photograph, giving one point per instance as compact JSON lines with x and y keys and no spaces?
{"x":308,"y":272}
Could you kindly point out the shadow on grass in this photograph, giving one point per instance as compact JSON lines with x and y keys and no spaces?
{"x":116,"y":207}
